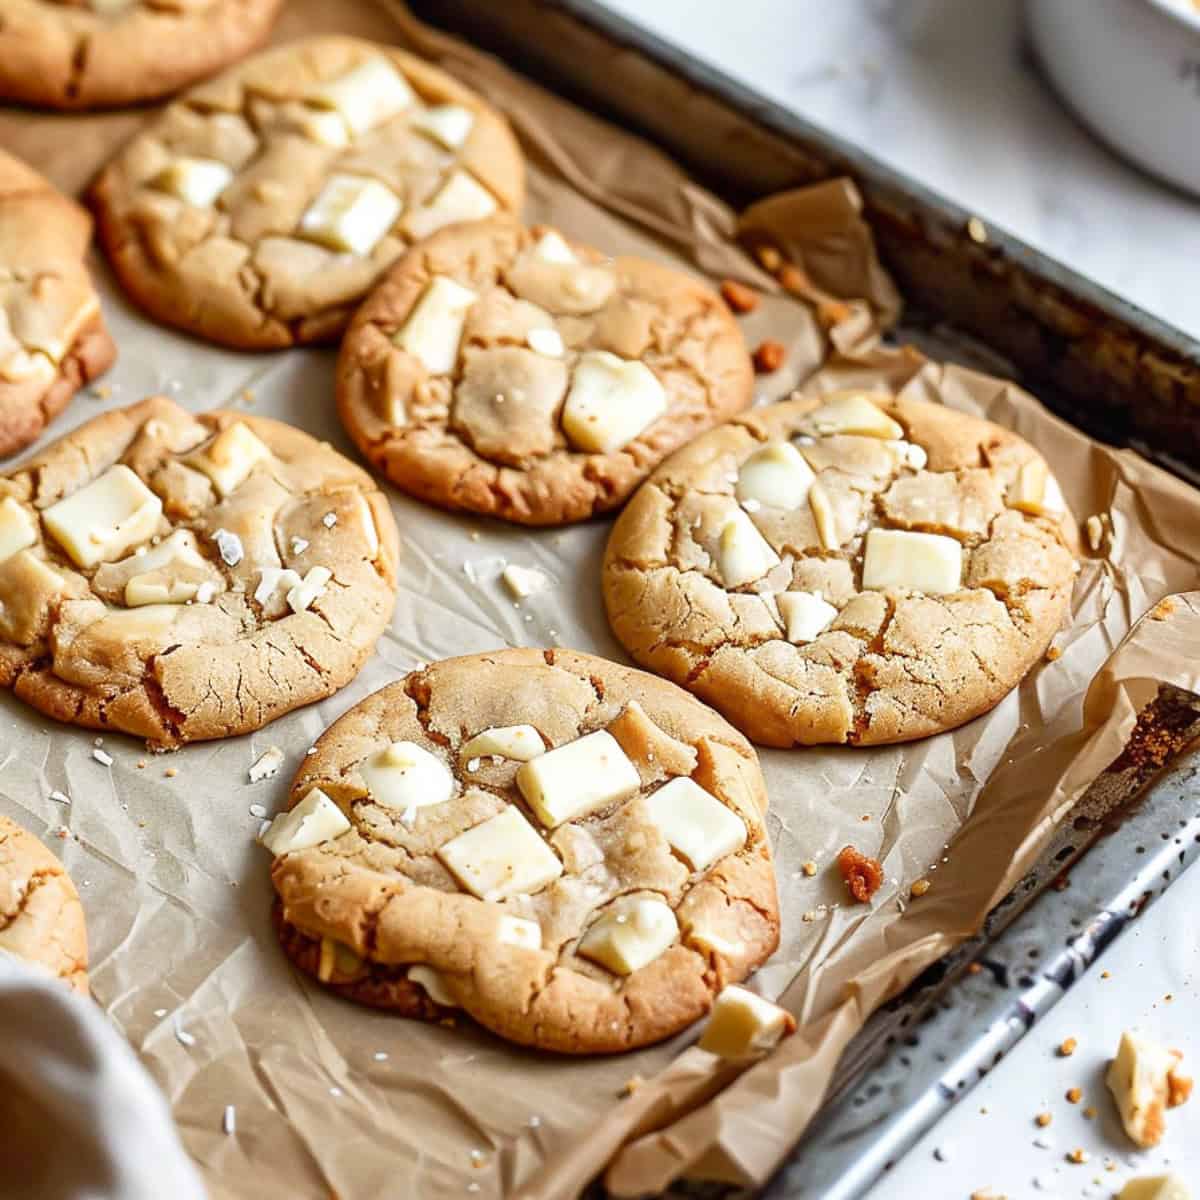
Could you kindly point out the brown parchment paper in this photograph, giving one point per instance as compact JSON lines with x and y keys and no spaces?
{"x":333,"y":1099}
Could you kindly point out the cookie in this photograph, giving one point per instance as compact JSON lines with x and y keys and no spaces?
{"x":52,"y":336}
{"x":41,"y":919}
{"x":77,"y":54}
{"x":569,"y":851}
{"x":853,"y":569}
{"x":260,"y":207}
{"x":183,"y":577}
{"x":505,"y":371}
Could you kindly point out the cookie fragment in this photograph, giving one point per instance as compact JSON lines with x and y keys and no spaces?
{"x":597,"y":908}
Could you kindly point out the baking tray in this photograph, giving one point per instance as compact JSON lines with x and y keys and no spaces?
{"x":983,"y":297}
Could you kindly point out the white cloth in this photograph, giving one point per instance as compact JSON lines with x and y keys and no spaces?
{"x":80,"y":1119}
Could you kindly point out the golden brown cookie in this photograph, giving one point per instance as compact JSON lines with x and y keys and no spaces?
{"x":185,"y":577}
{"x":41,"y":919}
{"x":259,"y":208}
{"x":570,"y":851}
{"x":52,"y":336}
{"x":851,"y":569}
{"x":111,"y":53}
{"x":505,"y":371}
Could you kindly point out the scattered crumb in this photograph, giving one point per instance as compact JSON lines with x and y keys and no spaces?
{"x":920,"y":887}
{"x":1074,"y":1095}
{"x":738,"y":296}
{"x":1053,"y":653}
{"x":171,"y":772}
{"x":102,"y":391}
{"x":809,"y":868}
{"x":248,"y":395}
{"x":1163,"y":609}
{"x":141,"y":764}
{"x":863,"y":875}
{"x":974,"y":969}
{"x":102,"y":757}
{"x":1089,"y":1113}
{"x":60,"y":797}
{"x":1043,"y":1119}
{"x":769,"y":357}
{"x":769,"y":258}
{"x":1179,"y":1088}
{"x":1068,"y":1047}
{"x":267,"y":765}
{"x":1105,"y":974}
{"x":794,"y":280}
{"x":1078,"y":1155}
{"x":523,"y":582}
{"x":977,"y":231}
{"x":1093,"y":528}
{"x":987,"y":1194}
{"x":941,"y":1153}
{"x":632,"y":1084}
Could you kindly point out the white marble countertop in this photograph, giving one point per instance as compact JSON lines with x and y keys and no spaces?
{"x":943,"y":90}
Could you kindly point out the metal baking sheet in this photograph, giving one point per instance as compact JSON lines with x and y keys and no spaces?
{"x":1114,"y":370}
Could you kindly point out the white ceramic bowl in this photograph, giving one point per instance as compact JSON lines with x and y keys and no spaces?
{"x":1131,"y":70}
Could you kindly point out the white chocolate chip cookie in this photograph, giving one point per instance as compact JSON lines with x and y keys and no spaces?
{"x":109,"y":53}
{"x":41,"y":919}
{"x":52,"y":336}
{"x":590,"y":897}
{"x":850,"y":569}
{"x":260,"y":207}
{"x":501,"y":370}
{"x":177,"y":577}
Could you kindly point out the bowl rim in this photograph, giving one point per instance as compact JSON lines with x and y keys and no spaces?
{"x":1179,"y":12}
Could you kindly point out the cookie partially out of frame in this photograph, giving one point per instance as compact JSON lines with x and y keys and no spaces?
{"x":259,"y":208}
{"x":183,"y":577}
{"x":852,"y":569}
{"x":77,"y":54}
{"x":570,"y":851}
{"x":41,"y":919}
{"x":52,"y":336}
{"x":504,"y":371}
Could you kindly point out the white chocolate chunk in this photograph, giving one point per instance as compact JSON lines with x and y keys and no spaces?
{"x":351,"y":213}
{"x":1036,"y":491}
{"x":102,"y":520}
{"x":547,"y":342}
{"x":551,"y":247}
{"x":405,"y":775}
{"x":266,"y":765}
{"x":369,"y":528}
{"x":434,"y":985}
{"x":517,"y":742}
{"x":17,"y":528}
{"x":230,"y":457}
{"x":610,"y":401}
{"x":777,"y":476}
{"x":230,"y":547}
{"x":921,"y":562}
{"x":743,"y":554}
{"x":434,"y":328}
{"x":450,"y":124}
{"x":314,"y":820}
{"x":1140,"y":1078}
{"x":107,"y":8}
{"x":856,"y":415}
{"x":273,"y":580}
{"x":824,"y":516}
{"x":695,"y":823}
{"x":461,"y":198}
{"x":634,"y":932}
{"x":910,"y":454}
{"x":743,"y":1024}
{"x":195,"y":181}
{"x":806,"y":615}
{"x":365,"y":97}
{"x":337,"y":958}
{"x":578,"y":778}
{"x":501,"y":857}
{"x":325,"y":128}
{"x":153,"y":589}
{"x":310,"y":588}
{"x":22,"y":365}
{"x":1156,"y":1187}
{"x":710,"y":939}
{"x":523,"y":582}
{"x":517,"y":931}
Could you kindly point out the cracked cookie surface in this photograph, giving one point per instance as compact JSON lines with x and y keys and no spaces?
{"x":41,"y":919}
{"x":845,"y":569}
{"x":505,"y":371}
{"x":77,"y":54}
{"x":584,"y":917}
{"x":260,"y":207}
{"x":183,"y":577}
{"x":52,"y":337}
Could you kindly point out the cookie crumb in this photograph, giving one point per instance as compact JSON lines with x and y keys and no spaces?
{"x":632,"y":1084}
{"x":809,"y":868}
{"x":1068,"y":1047}
{"x":171,"y":772}
{"x":1089,"y":1113}
{"x":769,"y":356}
{"x":793,"y":280}
{"x":738,"y":296}
{"x":102,"y":391}
{"x":248,"y":395}
{"x":920,"y":887}
{"x":1163,"y":609}
{"x":863,"y":875}
{"x":1053,"y":653}
{"x":769,"y":258}
{"x":977,"y":231}
{"x":1078,"y":1155}
{"x":1094,"y":530}
{"x":974,"y":969}
{"x":1043,"y":1119}
{"x":1074,"y":1095}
